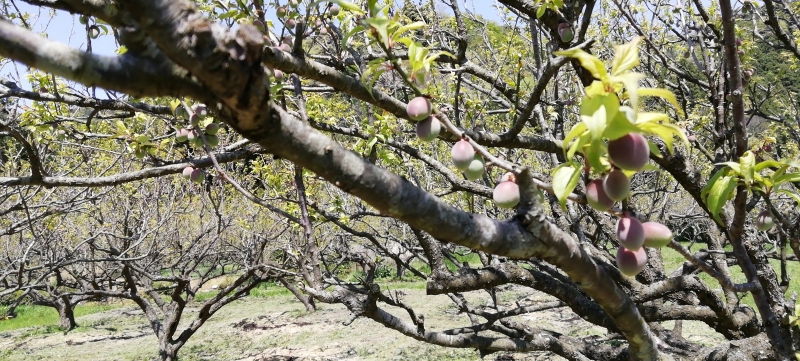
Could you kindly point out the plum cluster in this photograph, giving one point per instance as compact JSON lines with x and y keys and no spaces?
{"x":633,"y":237}
{"x":628,"y":153}
{"x":291,"y":17}
{"x":464,"y":156}
{"x":194,"y":174}
{"x":196,"y":115}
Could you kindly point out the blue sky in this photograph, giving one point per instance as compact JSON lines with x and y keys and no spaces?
{"x":66,"y":29}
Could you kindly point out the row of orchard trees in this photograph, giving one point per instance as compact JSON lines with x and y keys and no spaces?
{"x":305,"y":159}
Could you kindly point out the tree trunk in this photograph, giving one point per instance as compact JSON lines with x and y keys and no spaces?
{"x":66,"y":315}
{"x":307,"y":300}
{"x":167,"y":351}
{"x":400,"y":270}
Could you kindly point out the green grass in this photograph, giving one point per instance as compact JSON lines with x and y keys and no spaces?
{"x":672,"y":260}
{"x":34,"y":316}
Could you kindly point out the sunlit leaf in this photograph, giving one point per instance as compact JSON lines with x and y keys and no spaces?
{"x":718,"y":195}
{"x":626,"y":57}
{"x":565,"y":178}
{"x":588,"y":61}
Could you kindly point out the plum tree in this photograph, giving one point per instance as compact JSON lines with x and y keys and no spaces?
{"x":631,"y":262}
{"x":519,"y":93}
{"x":462,"y":154}
{"x":629,"y":152}
{"x":596,"y":196}
{"x":630,"y":232}
{"x":656,"y":234}
{"x":419,"y":108}
{"x":616,"y":185}
{"x":428,"y":129}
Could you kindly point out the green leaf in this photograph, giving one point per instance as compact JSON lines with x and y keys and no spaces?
{"x":711,"y":182}
{"x":767,"y":164}
{"x":576,"y":130}
{"x":654,"y":149}
{"x":735,"y":167}
{"x":631,"y":82}
{"x":565,"y":178}
{"x":593,"y":114}
{"x":619,"y":127}
{"x":345,"y":5}
{"x":413,"y":26}
{"x":718,"y":195}
{"x":665,"y":131}
{"x":381,"y":25}
{"x":590,"y":62}
{"x":540,"y":11}
{"x":790,"y":194}
{"x":747,"y":167}
{"x":626,"y":57}
{"x":662,"y":93}
{"x":788,"y":177}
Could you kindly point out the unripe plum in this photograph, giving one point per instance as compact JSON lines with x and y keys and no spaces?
{"x":428,"y":129}
{"x":656,"y":234}
{"x":212,"y":140}
{"x":285,"y":48}
{"x":334,"y":10}
{"x":259,"y":26}
{"x":191,"y":135}
{"x":419,"y":108}
{"x":197,"y":176}
{"x":475,"y":168}
{"x":180,"y":112}
{"x":629,"y":152}
{"x":212,"y":129}
{"x":565,"y":32}
{"x":764,"y":221}
{"x":596,"y":196}
{"x":277,"y":73}
{"x":462,"y":154}
{"x":630,"y":232}
{"x":280,"y":12}
{"x":290,"y":23}
{"x":94,"y":32}
{"x":506,"y":195}
{"x":187,"y":172}
{"x":630,"y":263}
{"x":83,"y":19}
{"x":200,"y":110}
{"x":616,"y":185}
{"x":182,"y":135}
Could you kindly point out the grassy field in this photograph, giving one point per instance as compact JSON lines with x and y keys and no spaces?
{"x":270,"y":324}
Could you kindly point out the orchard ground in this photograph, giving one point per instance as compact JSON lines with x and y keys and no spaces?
{"x":271,"y":325}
